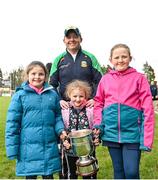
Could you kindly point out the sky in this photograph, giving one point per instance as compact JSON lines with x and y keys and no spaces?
{"x":34,"y":30}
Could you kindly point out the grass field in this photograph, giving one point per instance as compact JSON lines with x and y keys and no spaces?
{"x":148,"y":167}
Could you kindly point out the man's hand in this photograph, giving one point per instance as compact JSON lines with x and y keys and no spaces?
{"x":90,"y":103}
{"x":64,"y":104}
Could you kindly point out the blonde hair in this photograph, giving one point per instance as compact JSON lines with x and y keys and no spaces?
{"x":120,"y":46}
{"x":81,"y":85}
{"x":32,"y":65}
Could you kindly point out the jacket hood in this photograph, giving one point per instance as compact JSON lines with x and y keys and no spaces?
{"x":127,"y":71}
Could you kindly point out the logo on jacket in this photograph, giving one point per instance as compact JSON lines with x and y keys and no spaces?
{"x":84,"y":64}
{"x":64,"y":66}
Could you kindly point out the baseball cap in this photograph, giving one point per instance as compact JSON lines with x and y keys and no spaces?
{"x":72,"y":28}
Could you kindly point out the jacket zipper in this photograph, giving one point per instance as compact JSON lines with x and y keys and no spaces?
{"x":119,"y":128}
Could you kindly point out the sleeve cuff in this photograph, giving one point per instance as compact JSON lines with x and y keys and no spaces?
{"x":12,"y":157}
{"x":144,"y":148}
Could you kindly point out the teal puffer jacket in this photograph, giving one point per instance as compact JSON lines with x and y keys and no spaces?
{"x":33,"y":124}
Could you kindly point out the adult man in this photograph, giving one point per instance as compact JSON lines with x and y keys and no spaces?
{"x":74,"y":63}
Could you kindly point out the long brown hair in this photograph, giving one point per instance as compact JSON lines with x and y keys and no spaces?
{"x":32,"y":65}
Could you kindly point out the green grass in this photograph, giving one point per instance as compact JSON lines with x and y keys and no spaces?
{"x":7,"y":167}
{"x":148,"y":166}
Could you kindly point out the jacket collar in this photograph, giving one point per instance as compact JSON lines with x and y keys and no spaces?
{"x":127,"y":71}
{"x":25,"y":86}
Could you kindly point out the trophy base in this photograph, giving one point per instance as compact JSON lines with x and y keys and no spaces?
{"x":87,"y":168}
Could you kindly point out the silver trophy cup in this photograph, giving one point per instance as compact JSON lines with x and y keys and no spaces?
{"x":83,"y":147}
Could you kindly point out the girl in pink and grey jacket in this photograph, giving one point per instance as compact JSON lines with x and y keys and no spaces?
{"x":77,"y":117}
{"x":124,"y":114}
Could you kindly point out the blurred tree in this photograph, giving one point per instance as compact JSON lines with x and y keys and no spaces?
{"x":1,"y":78}
{"x":16,"y":77}
{"x":105,"y":69}
{"x":149,"y":72}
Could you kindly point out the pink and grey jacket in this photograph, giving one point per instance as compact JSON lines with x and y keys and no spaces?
{"x":123,"y":108}
{"x":66,"y":114}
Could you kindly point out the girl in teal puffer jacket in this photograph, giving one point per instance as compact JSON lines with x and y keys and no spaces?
{"x":33,"y":125}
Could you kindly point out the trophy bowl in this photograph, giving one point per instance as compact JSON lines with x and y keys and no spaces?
{"x":83,"y":147}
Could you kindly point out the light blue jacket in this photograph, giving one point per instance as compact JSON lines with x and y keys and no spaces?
{"x":33,"y":124}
